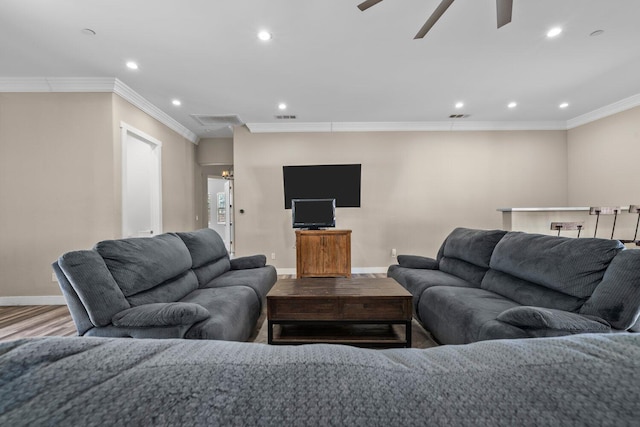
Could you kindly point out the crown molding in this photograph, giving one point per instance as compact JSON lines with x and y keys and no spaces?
{"x":94,"y":84}
{"x":402,"y":126}
{"x":136,"y":99}
{"x":607,"y":110}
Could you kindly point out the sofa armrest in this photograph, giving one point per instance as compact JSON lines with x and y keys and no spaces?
{"x":528,"y":317}
{"x":245,"y":262}
{"x":161,"y":314}
{"x":415,"y":261}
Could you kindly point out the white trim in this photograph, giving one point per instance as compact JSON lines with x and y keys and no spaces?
{"x":35,"y":300}
{"x":128,"y":94}
{"x":156,"y":191}
{"x":95,"y":84}
{"x":114,"y":85}
{"x":607,"y":110}
{"x":354,"y":270}
{"x":445,"y":126}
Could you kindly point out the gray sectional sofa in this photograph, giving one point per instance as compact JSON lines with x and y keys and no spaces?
{"x":174,"y":285}
{"x":493,"y":284}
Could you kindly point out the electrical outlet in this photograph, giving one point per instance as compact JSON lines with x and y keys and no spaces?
{"x":54,"y":278}
{"x":273,"y":255}
{"x":394,"y":253}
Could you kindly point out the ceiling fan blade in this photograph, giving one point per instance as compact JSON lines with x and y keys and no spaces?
{"x":367,"y":4}
{"x":504,"y":9}
{"x":440,"y":10}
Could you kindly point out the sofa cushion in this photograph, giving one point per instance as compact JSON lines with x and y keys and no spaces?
{"x":417,"y":280}
{"x":161,"y":314}
{"x":95,"y":286}
{"x":617,"y":297}
{"x":415,"y":261}
{"x":208,"y":272}
{"x":172,"y":290}
{"x":205,"y":246}
{"x":568,"y":265}
{"x":472,"y":246}
{"x":138,"y":264}
{"x":545,"y":318}
{"x":247,"y":262}
{"x":463,"y":269}
{"x":261,"y":280}
{"x":234,"y":313}
{"x":466,"y":253}
{"x":527,"y":293}
{"x":456,"y":315}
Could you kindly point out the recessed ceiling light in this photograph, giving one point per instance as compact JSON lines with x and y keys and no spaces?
{"x":265,"y":35}
{"x":554,"y":32}
{"x":176,"y":102}
{"x":282,"y":106}
{"x":132,"y":65}
{"x":512,"y":105}
{"x":459,"y":104}
{"x":563,"y":105}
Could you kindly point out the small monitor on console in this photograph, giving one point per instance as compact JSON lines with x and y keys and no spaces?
{"x":313,"y":213}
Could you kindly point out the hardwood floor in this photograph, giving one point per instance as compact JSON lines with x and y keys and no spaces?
{"x":35,"y":321}
{"x":27,"y":321}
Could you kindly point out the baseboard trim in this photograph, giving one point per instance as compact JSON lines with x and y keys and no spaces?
{"x":354,"y":270}
{"x":33,"y":300}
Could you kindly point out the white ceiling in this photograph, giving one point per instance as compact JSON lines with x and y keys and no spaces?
{"x":332,"y":63}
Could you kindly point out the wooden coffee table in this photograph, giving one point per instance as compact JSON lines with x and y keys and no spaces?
{"x":364,"y":312}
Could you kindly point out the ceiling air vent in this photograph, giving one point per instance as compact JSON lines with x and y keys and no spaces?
{"x":458,"y":116}
{"x":285,"y":117}
{"x":217,"y":120}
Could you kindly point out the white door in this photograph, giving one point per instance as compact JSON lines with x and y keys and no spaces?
{"x":141,"y":184}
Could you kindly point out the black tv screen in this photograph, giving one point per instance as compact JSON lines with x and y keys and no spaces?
{"x":313,"y":213}
{"x":340,"y":182}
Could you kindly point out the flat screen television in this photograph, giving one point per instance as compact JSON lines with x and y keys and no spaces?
{"x":340,"y":182}
{"x":313,"y":213}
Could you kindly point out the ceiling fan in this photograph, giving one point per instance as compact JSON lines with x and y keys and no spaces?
{"x":503,"y":7}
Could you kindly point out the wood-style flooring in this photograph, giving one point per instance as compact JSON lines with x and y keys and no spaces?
{"x":27,"y":321}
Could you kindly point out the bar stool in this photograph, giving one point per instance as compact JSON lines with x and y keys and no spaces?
{"x":634,"y":209}
{"x":567,"y":226}
{"x":604,"y":210}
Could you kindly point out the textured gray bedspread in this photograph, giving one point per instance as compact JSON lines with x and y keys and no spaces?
{"x":576,"y":380}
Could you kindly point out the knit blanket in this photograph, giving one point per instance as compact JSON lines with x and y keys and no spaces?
{"x":576,"y":380}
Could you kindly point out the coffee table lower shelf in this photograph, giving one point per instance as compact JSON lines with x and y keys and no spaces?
{"x":374,"y":334}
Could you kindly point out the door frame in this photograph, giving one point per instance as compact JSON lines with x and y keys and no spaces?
{"x":156,"y":184}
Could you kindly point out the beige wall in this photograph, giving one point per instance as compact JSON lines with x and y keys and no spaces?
{"x":416,"y":186}
{"x":604,"y":161}
{"x":60,"y":180}
{"x":215,"y":151}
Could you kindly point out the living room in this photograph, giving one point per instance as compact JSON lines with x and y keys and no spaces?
{"x":423,"y":175}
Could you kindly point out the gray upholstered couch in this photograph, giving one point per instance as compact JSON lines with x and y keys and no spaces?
{"x":493,"y":284}
{"x":174,"y":285}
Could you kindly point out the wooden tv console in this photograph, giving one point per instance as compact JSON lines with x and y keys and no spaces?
{"x":323,"y":253}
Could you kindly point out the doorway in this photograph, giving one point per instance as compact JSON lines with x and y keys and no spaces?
{"x":141,"y":183}
{"x":220,"y":212}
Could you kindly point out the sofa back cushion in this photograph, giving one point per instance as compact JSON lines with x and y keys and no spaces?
{"x":571,"y":266}
{"x":139,"y":264}
{"x":209,"y":255}
{"x":170,"y":291}
{"x":525,"y":292}
{"x":94,"y":285}
{"x":466,"y":253}
{"x":617,"y":297}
